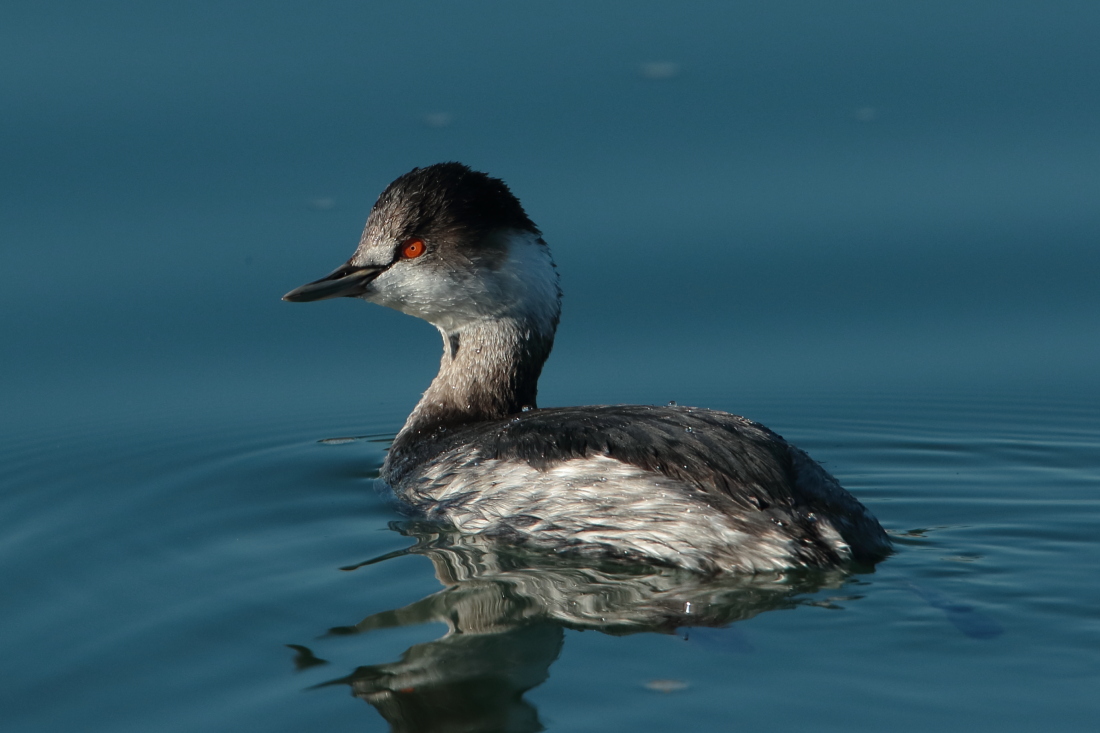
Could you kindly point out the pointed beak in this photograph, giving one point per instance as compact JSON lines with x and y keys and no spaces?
{"x":346,"y":281}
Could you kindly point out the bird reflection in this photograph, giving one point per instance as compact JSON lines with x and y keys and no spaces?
{"x":506,"y":610}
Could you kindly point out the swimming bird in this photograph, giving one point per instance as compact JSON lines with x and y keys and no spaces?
{"x":688,"y":487}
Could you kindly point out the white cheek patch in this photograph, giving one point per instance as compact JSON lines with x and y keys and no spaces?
{"x":525,"y":286}
{"x":427,"y":292}
{"x":530,"y":279}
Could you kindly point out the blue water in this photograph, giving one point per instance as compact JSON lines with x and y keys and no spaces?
{"x":871,"y":227}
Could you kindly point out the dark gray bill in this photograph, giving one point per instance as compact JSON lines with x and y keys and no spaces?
{"x":345,"y":281}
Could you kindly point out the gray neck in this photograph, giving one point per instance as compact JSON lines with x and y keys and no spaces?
{"x":489,"y":370}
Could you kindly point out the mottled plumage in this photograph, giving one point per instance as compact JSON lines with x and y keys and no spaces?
{"x":689,"y":487}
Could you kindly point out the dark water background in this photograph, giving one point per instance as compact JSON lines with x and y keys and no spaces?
{"x":871,"y":226}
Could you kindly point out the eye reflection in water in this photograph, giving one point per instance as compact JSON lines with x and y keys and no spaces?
{"x":506,"y":610}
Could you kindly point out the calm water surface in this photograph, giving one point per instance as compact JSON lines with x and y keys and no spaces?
{"x":873,"y":229}
{"x":155,"y":577}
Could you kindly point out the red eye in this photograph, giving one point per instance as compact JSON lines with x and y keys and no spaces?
{"x":412,"y":248}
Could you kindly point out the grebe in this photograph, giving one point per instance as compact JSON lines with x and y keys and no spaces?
{"x":695,"y":488}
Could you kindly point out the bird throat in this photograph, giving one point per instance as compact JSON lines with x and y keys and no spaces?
{"x":489,"y":370}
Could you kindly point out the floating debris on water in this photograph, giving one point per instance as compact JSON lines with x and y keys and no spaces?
{"x":666,"y":686}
